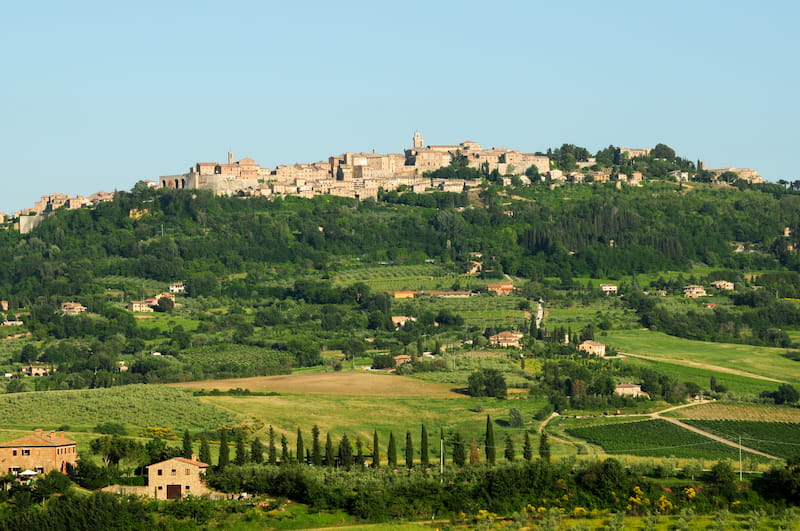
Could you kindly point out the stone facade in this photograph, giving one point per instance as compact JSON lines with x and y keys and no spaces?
{"x":593,"y":347}
{"x":40,"y":452}
{"x":176,"y":478}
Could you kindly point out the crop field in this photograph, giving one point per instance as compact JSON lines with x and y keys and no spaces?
{"x":781,"y":439}
{"x":366,"y":384}
{"x":653,"y":438}
{"x":480,"y":312}
{"x":135,"y":406}
{"x":745,"y":360}
{"x":237,"y":359}
{"x":736,"y":411}
{"x":370,"y":274}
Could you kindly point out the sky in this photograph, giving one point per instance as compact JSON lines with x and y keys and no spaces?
{"x":100,"y":95}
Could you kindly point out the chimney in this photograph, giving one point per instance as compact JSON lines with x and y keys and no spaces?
{"x":194,"y":457}
{"x":61,"y":434}
{"x":38,"y":432}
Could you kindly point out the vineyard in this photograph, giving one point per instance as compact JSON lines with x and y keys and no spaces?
{"x":237,"y":360}
{"x":480,"y":312}
{"x":132,"y":405}
{"x":738,"y":411}
{"x":653,"y":438}
{"x":388,"y":273}
{"x":781,"y":439}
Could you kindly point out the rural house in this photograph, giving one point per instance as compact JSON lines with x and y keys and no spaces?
{"x":35,"y":370}
{"x":175,"y":478}
{"x":608,"y":289}
{"x":506,"y":339}
{"x":38,"y":452}
{"x":631,"y":390}
{"x":140,"y":306}
{"x":593,"y":347}
{"x":502,"y":288}
{"x":177,"y":287}
{"x":72,"y":308}
{"x":401,"y":359}
{"x":724,"y":285}
{"x":693,"y":291}
{"x":400,"y":321}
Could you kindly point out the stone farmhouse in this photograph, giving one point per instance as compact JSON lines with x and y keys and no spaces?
{"x":38,"y":452}
{"x":506,"y":339}
{"x":632,"y":390}
{"x":694,"y":291}
{"x":724,"y":285}
{"x":608,"y":289}
{"x":593,"y":347}
{"x":72,"y":308}
{"x":176,"y":478}
{"x":502,"y":288}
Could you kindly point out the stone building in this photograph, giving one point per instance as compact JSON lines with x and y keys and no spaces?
{"x":38,"y":452}
{"x":176,"y":478}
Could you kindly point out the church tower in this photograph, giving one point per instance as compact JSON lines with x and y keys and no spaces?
{"x":418,"y":142}
{"x":230,"y":157}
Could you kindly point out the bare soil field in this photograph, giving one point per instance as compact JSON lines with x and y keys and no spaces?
{"x":333,"y":383}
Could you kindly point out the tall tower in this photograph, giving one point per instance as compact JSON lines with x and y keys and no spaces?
{"x":418,"y":142}
{"x":230,"y":157}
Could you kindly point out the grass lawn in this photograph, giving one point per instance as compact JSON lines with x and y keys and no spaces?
{"x":745,"y":360}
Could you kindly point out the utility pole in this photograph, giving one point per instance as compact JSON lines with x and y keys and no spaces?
{"x":441,"y":459}
{"x":740,"y":458}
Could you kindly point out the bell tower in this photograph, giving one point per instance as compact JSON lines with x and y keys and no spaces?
{"x":230,"y":157}
{"x":418,"y":142}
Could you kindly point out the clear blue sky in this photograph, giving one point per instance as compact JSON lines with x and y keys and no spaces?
{"x":98,"y":95}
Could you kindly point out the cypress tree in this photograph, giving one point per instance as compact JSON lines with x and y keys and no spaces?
{"x":490,"y":449}
{"x":273,"y":454}
{"x":256,"y":451}
{"x":376,"y":453}
{"x":284,"y":450}
{"x":359,"y":459}
{"x":409,"y":451}
{"x":423,"y":447}
{"x":544,"y":447}
{"x":330,"y":459}
{"x":187,"y":445}
{"x":459,"y":450}
{"x":205,"y":451}
{"x":224,"y":452}
{"x":241,"y":454}
{"x":509,"y":452}
{"x":527,"y":449}
{"x":301,"y":451}
{"x":345,"y":452}
{"x":391,"y":451}
{"x":316,"y":450}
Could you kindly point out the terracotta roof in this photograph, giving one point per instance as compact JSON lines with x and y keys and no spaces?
{"x":182,"y":460}
{"x":38,"y":440}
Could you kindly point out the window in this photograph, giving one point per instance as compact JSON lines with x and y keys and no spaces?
{"x":174,"y":472}
{"x":160,"y":472}
{"x":160,"y":487}
{"x":188,"y":487}
{"x":14,"y":470}
{"x":187,"y":472}
{"x":26,"y":451}
{"x":40,"y":469}
{"x":13,"y":452}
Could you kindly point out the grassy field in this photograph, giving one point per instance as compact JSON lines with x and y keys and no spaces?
{"x":744,"y":360}
{"x":480,"y":312}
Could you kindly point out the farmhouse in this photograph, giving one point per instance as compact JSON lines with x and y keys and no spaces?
{"x":724,"y":285}
{"x":506,"y":339}
{"x":451,"y":294}
{"x":175,"y":478}
{"x":177,"y":287}
{"x":502,"y":288}
{"x":400,"y":320}
{"x":608,"y":289}
{"x":38,"y":452}
{"x":402,"y":294}
{"x":631,"y":390}
{"x":401,"y":359}
{"x":36,"y":370}
{"x":72,"y":308}
{"x":693,"y":291}
{"x":140,"y":306}
{"x":593,"y":347}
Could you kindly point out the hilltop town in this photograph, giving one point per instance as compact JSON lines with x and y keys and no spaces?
{"x":362,"y":175}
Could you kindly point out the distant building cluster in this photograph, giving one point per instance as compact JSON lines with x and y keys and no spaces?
{"x":29,"y":218}
{"x":357,"y":175}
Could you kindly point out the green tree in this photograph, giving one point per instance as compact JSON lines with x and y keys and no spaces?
{"x":527,"y":449}
{"x":240,"y":459}
{"x":491,"y":451}
{"x":284,"y":450}
{"x":359,"y":458}
{"x":316,"y":450}
{"x":509,"y":451}
{"x":544,"y":447}
{"x":423,"y":447}
{"x":205,"y":450}
{"x":391,"y":452}
{"x":515,"y":418}
{"x":376,"y":452}
{"x":187,"y":445}
{"x":256,"y":451}
{"x":224,"y":458}
{"x":409,"y":451}
{"x":272,"y":452}
{"x":345,"y":452}
{"x":487,"y":382}
{"x":459,"y":450}
{"x":330,"y":458}
{"x":300,"y":450}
